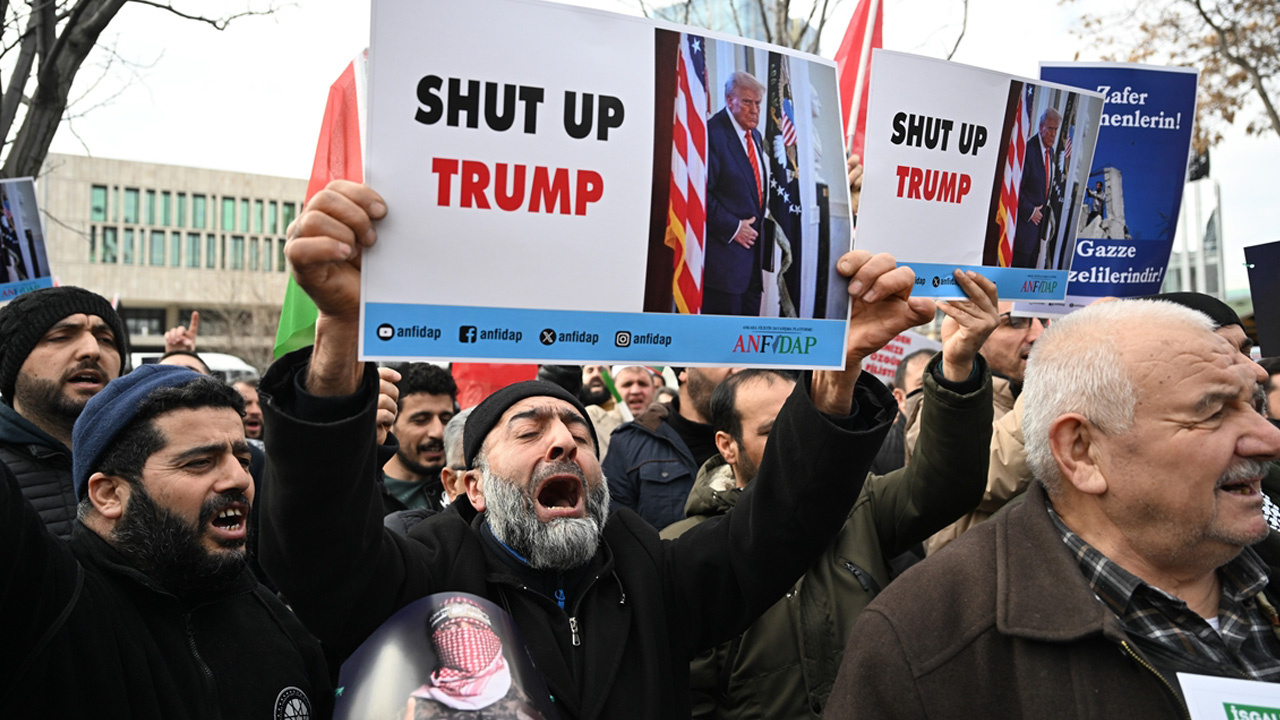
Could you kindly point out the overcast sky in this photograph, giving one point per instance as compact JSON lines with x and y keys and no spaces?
{"x":251,"y":98}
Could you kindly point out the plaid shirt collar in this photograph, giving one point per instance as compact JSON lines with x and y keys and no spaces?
{"x":1245,"y":640}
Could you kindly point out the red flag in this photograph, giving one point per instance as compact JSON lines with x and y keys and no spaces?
{"x":853,"y":66}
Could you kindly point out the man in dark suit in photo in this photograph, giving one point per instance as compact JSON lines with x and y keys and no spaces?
{"x":1033,"y":195}
{"x":737,"y":195}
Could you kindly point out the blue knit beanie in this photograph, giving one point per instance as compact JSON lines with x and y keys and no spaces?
{"x":111,"y":411}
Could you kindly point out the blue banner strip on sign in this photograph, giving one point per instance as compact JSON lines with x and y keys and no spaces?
{"x":937,"y":280}
{"x":395,"y":330}
{"x":9,"y":291}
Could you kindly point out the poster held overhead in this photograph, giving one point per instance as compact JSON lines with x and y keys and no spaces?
{"x":642,"y":193}
{"x":975,"y":169}
{"x":1134,"y":190}
{"x":24,"y":262}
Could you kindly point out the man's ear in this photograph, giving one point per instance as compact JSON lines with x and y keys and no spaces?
{"x":727,"y":447}
{"x":109,"y":494}
{"x":475,"y":489}
{"x":1074,"y":443}
{"x":453,"y":482}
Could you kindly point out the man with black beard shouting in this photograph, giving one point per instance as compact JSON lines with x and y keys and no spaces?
{"x":149,"y":610}
{"x":58,"y":348}
{"x":611,"y":613}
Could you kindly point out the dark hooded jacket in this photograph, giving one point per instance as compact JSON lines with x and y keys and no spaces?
{"x":632,"y":619}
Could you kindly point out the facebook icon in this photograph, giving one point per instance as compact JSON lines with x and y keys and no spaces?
{"x":467,"y":334}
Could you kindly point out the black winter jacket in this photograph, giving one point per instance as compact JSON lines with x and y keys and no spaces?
{"x":85,"y":635}
{"x":43,"y":468}
{"x":621,"y":646}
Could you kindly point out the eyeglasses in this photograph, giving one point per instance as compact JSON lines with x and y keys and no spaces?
{"x":1021,"y":323}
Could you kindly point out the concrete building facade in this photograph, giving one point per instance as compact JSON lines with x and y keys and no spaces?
{"x":167,"y":240}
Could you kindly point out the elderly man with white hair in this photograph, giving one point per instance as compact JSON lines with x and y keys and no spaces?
{"x":1141,"y":550}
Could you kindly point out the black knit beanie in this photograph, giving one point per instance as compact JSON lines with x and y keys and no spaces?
{"x":1218,"y":311}
{"x":485,"y":415}
{"x":29,"y":316}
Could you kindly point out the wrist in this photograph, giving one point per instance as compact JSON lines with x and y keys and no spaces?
{"x":957,"y":371}
{"x":334,"y":368}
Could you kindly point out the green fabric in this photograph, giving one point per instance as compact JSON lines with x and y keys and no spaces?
{"x":297,"y":327}
{"x":409,"y":493}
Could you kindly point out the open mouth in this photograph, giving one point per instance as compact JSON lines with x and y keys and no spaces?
{"x":559,"y":496}
{"x":82,"y":378}
{"x":1244,"y":488}
{"x":231,"y":521}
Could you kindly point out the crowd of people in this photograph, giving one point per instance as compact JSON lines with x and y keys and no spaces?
{"x":1042,"y":519}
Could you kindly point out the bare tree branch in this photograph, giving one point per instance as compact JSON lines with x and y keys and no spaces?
{"x":964,"y":25}
{"x":218,"y":23}
{"x":1255,"y":77}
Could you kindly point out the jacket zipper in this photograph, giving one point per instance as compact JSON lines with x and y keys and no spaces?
{"x":867,"y":582}
{"x":573,"y":629}
{"x":1139,"y":659}
{"x":208,"y":674}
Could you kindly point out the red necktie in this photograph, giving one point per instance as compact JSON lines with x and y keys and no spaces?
{"x":755,"y":165}
{"x":1048,"y":173}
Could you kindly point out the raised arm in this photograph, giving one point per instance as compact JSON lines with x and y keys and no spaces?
{"x":728,"y":570}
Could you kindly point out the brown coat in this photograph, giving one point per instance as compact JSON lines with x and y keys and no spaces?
{"x":1001,"y":624}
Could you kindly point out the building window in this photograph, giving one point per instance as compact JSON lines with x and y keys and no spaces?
{"x":98,"y":203}
{"x":157,"y":247}
{"x":288,"y":215}
{"x":193,"y":250}
{"x":115,"y":203}
{"x":280,"y":257}
{"x":197,"y":211}
{"x":271,"y":218}
{"x":222,"y":250}
{"x":211,"y":251}
{"x":228,"y":213}
{"x":131,"y":205}
{"x":266,"y":254}
{"x":151,"y":207}
{"x":237,"y":252}
{"x":127,"y":253}
{"x":109,"y":245}
{"x":257,"y":216}
{"x":166,"y":208}
{"x":175,"y":250}
{"x":182,"y":210}
{"x":148,"y":322}
{"x":254,"y":258}
{"x":244,"y":215}
{"x":93,"y":243}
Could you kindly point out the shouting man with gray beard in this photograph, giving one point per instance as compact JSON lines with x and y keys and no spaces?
{"x":611,"y":614}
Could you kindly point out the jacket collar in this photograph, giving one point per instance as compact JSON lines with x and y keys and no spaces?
{"x":20,"y":431}
{"x":1041,"y":593}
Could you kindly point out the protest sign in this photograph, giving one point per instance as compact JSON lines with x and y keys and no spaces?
{"x":884,"y":362}
{"x":1135,"y":188}
{"x":1219,"y":698}
{"x":1263,"y":262}
{"x":443,"y":656}
{"x":580,"y":196}
{"x":975,"y":169}
{"x":24,"y":263}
